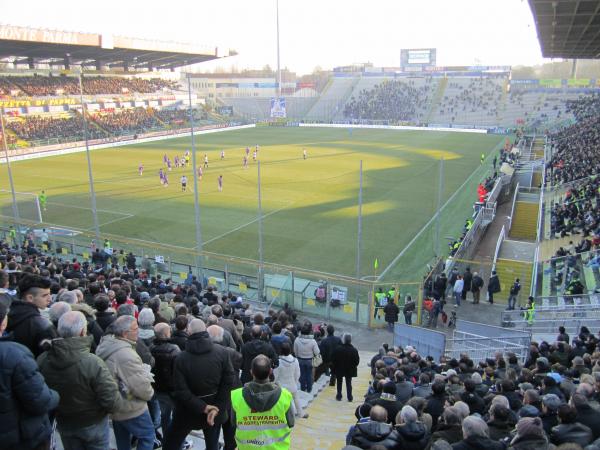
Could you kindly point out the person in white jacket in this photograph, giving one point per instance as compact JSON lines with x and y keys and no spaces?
{"x":287,"y":375}
{"x":305,"y":349}
{"x":458,"y":288}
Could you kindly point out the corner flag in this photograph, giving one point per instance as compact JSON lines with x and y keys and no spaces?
{"x":376,"y":264}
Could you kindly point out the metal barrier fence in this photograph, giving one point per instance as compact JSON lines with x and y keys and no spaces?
{"x":481,"y":341}
{"x":327,"y":296}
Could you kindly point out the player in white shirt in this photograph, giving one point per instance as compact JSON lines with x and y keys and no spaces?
{"x":183,"y":183}
{"x":222,"y":154}
{"x":304,"y":154}
{"x":205,"y":161}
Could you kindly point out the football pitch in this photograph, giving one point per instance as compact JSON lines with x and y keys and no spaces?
{"x":309,"y":206}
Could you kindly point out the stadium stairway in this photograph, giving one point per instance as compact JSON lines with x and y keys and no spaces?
{"x":524,"y":221}
{"x":329,"y":420}
{"x":502,"y":103}
{"x":508,"y":270}
{"x":437,"y":98}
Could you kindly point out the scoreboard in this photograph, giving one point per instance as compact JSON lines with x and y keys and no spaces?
{"x":417,"y":59}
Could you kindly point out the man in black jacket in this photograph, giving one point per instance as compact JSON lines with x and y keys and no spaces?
{"x":27,"y":400}
{"x":203,"y":378}
{"x":252,"y":349}
{"x":327,"y":346}
{"x":345,"y":360}
{"x":376,"y":431}
{"x":467,"y":279}
{"x":391,"y":312}
{"x":476,"y":285}
{"x":25,"y":322}
{"x":164,"y":353}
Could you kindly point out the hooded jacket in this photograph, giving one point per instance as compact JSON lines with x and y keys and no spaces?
{"x":262,"y":397}
{"x":164,"y":353}
{"x":368,"y":434}
{"x":28,"y":327}
{"x":287,"y":375}
{"x":414,"y":435}
{"x":576,"y":433}
{"x":478,"y":443}
{"x":306,"y":347}
{"x":530,"y":443}
{"x":203,"y":375}
{"x":133,"y":378}
{"x":25,"y":399}
{"x":87,"y":390}
{"x":252,"y":349}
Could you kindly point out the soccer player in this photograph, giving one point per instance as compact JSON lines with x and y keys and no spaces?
{"x":304,"y":155}
{"x":187,"y":159}
{"x":43,"y":200}
{"x":222,"y":154}
{"x":176,"y":161}
{"x":205,"y":161}
{"x":141,"y":169}
{"x":254,"y":155}
{"x":199,"y":172}
{"x":165,"y":157}
{"x":245,"y":166}
{"x":169,"y":164}
{"x":183,"y":183}
{"x":161,"y":175}
{"x":166,"y":180}
{"x":220,"y":183}
{"x":247,"y":151}
{"x":256,"y":148}
{"x":482,"y":157}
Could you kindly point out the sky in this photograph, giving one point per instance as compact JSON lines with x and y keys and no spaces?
{"x":324,"y":33}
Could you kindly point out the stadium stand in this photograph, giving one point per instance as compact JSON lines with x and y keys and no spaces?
{"x":396,"y":101}
{"x":38,"y":85}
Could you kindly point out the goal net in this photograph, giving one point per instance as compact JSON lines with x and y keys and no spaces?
{"x":27,"y":203}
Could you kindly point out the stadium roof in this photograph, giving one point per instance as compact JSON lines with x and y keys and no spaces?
{"x":35,"y":45}
{"x":568,"y":28}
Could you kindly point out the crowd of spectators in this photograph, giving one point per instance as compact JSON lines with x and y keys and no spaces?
{"x":549,"y":401}
{"x":161,"y":359}
{"x":574,"y":154}
{"x":38,"y":85}
{"x":32,"y":128}
{"x":481,"y":95}
{"x":126,"y":121}
{"x":102,"y":124}
{"x":391,"y":100}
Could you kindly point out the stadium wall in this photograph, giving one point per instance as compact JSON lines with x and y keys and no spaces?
{"x":64,"y":149}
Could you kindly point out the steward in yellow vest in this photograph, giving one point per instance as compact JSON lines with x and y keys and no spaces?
{"x":262,"y":411}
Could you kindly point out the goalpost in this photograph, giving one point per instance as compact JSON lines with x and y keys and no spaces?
{"x":28,"y":205}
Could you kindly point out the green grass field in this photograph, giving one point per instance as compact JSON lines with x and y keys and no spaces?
{"x":309,"y":206}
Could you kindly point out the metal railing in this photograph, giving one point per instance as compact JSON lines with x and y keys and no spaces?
{"x":512,"y":208}
{"x":501,"y":238}
{"x":479,"y":348}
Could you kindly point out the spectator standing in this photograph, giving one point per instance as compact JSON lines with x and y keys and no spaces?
{"x":305,"y":349}
{"x":514,"y":293}
{"x":203,"y":377}
{"x":134,"y":380}
{"x":408,"y":309}
{"x":164,"y":353}
{"x":287,"y":375}
{"x":569,"y":429}
{"x":327,"y":346}
{"x":27,"y":325}
{"x":253,"y":348}
{"x":457,"y":290}
{"x":493,"y":287}
{"x":26,"y":399}
{"x":391,"y":312}
{"x":265,"y":403}
{"x":467,"y":283}
{"x":88,"y":392}
{"x":345,"y":360}
{"x":476,"y":285}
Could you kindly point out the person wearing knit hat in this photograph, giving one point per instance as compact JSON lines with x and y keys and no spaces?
{"x":529,"y":411}
{"x":530,"y":434}
{"x":550,"y":404}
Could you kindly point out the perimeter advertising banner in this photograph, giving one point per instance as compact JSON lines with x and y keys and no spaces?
{"x":278,"y":107}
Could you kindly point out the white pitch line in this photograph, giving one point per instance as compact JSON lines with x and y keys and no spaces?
{"x":395,"y":260}
{"x":89,"y":209}
{"x":128,"y":216}
{"x":245,"y":225}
